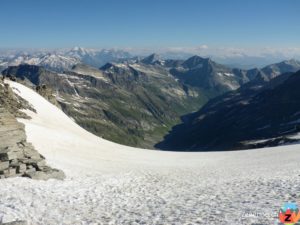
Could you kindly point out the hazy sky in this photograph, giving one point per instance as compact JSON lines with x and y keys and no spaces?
{"x":149,"y":23}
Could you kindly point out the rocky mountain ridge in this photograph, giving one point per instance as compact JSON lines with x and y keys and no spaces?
{"x":17,"y":156}
{"x":135,"y":102}
{"x":260,"y":113}
{"x":124,"y":101}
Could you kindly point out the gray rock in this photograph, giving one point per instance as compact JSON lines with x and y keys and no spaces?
{"x":4,"y":172}
{"x":45,"y":175}
{"x":10,"y":172}
{"x":21,"y":168}
{"x":14,"y":163}
{"x":4,"y":165}
{"x":40,"y":164}
{"x":31,"y":153}
{"x":30,"y":170}
{"x":8,"y":156}
{"x":29,"y":162}
{"x":4,"y":149}
{"x":18,"y":157}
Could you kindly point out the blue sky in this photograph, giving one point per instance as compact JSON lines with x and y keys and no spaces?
{"x":141,"y":23}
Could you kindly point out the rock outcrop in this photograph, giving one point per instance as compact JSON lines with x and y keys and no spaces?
{"x":17,"y":156}
{"x":47,"y":93}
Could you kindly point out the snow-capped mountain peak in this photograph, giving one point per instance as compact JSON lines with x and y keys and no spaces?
{"x":62,"y":60}
{"x":79,"y":52}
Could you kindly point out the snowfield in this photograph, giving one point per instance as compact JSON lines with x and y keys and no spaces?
{"x":109,"y":183}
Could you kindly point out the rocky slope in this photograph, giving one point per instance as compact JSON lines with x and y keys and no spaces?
{"x":17,"y":156}
{"x":271,"y":71}
{"x":135,"y":102}
{"x":124,"y":105}
{"x":276,"y":69}
{"x":259,"y":114}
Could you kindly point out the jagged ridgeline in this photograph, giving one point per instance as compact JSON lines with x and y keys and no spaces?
{"x":17,"y":156}
{"x":133,"y":102}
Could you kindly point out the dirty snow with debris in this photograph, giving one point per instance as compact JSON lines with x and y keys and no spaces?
{"x":109,"y":183}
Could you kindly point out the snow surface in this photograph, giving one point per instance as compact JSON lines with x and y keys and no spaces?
{"x":226,"y":74}
{"x":53,"y":60}
{"x":109,"y":183}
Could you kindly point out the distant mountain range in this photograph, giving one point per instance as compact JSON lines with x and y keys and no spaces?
{"x":60,"y":61}
{"x":136,"y":101}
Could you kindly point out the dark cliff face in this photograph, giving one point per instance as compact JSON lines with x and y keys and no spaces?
{"x":30,"y":72}
{"x":34,"y":76}
{"x":256,"y":111}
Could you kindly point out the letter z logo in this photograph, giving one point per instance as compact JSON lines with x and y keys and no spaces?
{"x":287,"y":218}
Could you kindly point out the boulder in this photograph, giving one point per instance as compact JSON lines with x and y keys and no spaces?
{"x":10,"y":172}
{"x":4,"y":149}
{"x":30,"y":170}
{"x":8,"y":156}
{"x":14,"y":163}
{"x":29,"y":152}
{"x":40,"y":165}
{"x":4,"y":165}
{"x":21,"y":168}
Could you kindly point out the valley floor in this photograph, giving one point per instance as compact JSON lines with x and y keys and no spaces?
{"x":113,"y":184}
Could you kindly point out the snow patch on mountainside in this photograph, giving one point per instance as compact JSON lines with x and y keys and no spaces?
{"x":52,"y":61}
{"x":109,"y":183}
